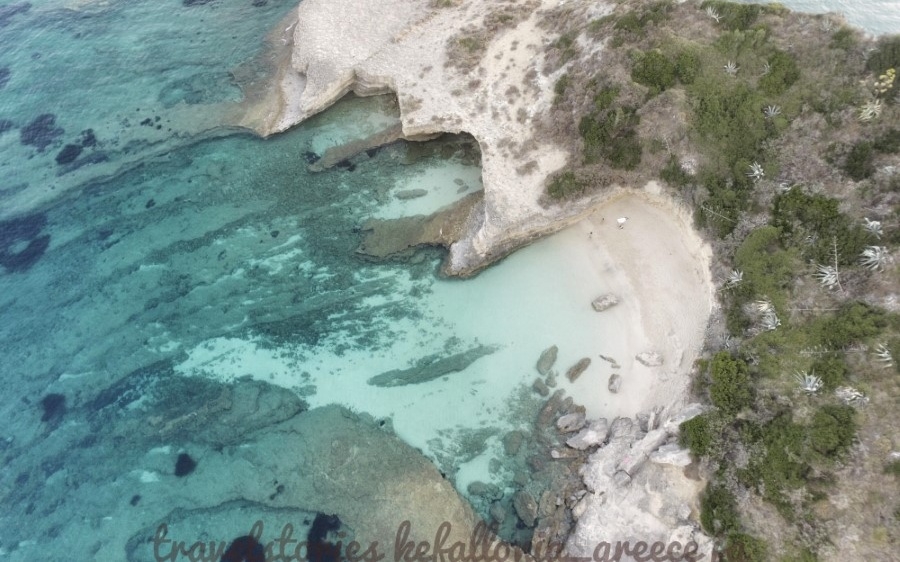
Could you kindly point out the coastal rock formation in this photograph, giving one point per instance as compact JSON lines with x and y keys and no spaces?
{"x":577,"y":369}
{"x":467,"y":66}
{"x":604,"y":302}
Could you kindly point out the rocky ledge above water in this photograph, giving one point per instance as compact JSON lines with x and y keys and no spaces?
{"x":463,"y":66}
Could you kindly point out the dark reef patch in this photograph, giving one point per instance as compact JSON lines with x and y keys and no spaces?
{"x":311,"y":157}
{"x":184,"y":465}
{"x":68,"y":154}
{"x":19,"y":232}
{"x":4,"y":77}
{"x":54,"y":408}
{"x":41,"y":132}
{"x":88,"y":140}
{"x":6,"y":125}
{"x":320,"y":550}
{"x":244,"y":549}
{"x":8,"y":12}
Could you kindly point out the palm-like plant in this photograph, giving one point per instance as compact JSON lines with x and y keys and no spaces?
{"x":850,"y":396}
{"x":827,"y":276}
{"x":870,"y":110}
{"x":873,"y":227}
{"x":735,"y":278}
{"x":711,"y":12}
{"x":883,"y":355}
{"x":731,"y":68}
{"x":875,"y":257}
{"x":756,"y":172}
{"x":808,"y":383}
{"x":772,"y":111}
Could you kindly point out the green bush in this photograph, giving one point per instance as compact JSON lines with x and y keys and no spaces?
{"x":728,"y":116}
{"x":687,"y":67}
{"x":783,"y":73}
{"x":852,"y":323}
{"x":730,"y":389}
{"x":565,"y":185}
{"x":813,"y":224}
{"x":893,"y":468}
{"x":888,"y":142}
{"x":718,"y":510}
{"x":832,"y":369}
{"x":859,"y":161}
{"x":832,"y":430}
{"x":695,"y":434}
{"x":654,"y":70}
{"x":783,"y":464}
{"x":611,"y":134}
{"x":843,"y":39}
{"x":769,"y":270}
{"x":673,"y":174}
{"x":740,"y":547}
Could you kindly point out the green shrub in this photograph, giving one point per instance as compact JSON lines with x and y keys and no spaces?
{"x":844,"y":39}
{"x":740,"y":547}
{"x":769,"y":270}
{"x":782,"y":466}
{"x":560,"y":87}
{"x":813,"y":224}
{"x":673,"y":174}
{"x":893,"y":468}
{"x":687,"y":67}
{"x":859,"y":161}
{"x":783,"y":73}
{"x":728,"y":116}
{"x":832,"y":369}
{"x":654,"y":70}
{"x":718,"y":510}
{"x":852,"y":323}
{"x":730,"y":389}
{"x":888,"y":142}
{"x":611,"y":134}
{"x":565,"y":185}
{"x":832,"y":430}
{"x":695,"y":434}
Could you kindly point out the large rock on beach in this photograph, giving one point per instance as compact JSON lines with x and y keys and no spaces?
{"x":593,"y":435}
{"x":570,"y":422}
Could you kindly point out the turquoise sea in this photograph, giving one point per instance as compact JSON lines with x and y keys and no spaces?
{"x":183,"y":306}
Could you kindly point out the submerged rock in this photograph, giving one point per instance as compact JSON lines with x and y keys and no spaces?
{"x":526,"y":507}
{"x":575,"y":370}
{"x":407,"y":194}
{"x":540,"y":387}
{"x":604,"y":302}
{"x":512,"y":442}
{"x":547,"y":359}
{"x":431,"y":367}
